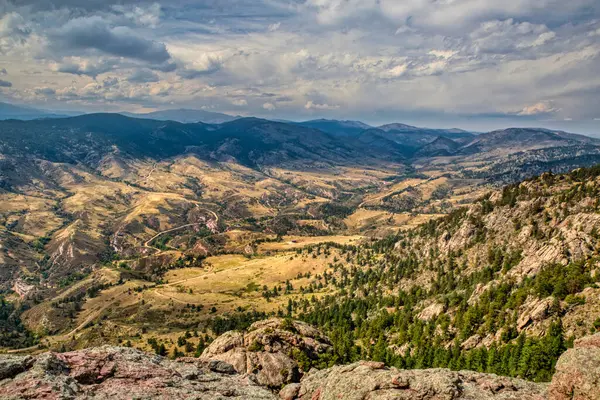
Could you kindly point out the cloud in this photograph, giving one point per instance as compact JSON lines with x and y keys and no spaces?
{"x":143,"y":76}
{"x":94,"y":33}
{"x":239,"y":102}
{"x":14,"y":31}
{"x":203,"y":64}
{"x":310,"y":105}
{"x":509,"y":37}
{"x":44,"y":91}
{"x":13,"y":24}
{"x":5,"y":84}
{"x":395,"y":72}
{"x":371,"y":57}
{"x":445,"y":15}
{"x":141,"y":14}
{"x":78,"y":66}
{"x":538,"y":108}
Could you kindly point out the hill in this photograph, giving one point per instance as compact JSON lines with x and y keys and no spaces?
{"x":251,"y":141}
{"x":337,"y":128}
{"x":524,"y":139}
{"x":412,"y":138}
{"x":185,"y":116}
{"x":495,"y":279}
{"x":442,"y":146}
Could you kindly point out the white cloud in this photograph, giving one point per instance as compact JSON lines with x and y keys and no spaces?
{"x":538,"y":108}
{"x":395,"y":72}
{"x":84,"y":66}
{"x":310,"y":105}
{"x":274,"y":27}
{"x":141,"y":14}
{"x":239,"y":102}
{"x":269,"y":106}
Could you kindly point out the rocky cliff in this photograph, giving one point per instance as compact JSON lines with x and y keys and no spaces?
{"x":123,"y":373}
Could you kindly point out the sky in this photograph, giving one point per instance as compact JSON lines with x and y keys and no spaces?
{"x":474,"y":64}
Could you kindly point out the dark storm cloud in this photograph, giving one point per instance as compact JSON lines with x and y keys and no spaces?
{"x":95,"y":33}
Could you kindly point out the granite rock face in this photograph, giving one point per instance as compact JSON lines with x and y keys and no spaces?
{"x":268,"y":350}
{"x":121,"y":373}
{"x":577,"y":374}
{"x":373,"y":381}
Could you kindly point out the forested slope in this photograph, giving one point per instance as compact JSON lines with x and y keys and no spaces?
{"x":502,"y":286}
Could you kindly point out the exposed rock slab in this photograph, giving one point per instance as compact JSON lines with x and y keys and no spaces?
{"x":577,"y":374}
{"x":267,"y":349}
{"x":373,"y":381}
{"x":121,"y":373}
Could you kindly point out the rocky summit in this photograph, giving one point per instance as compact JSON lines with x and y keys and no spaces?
{"x":271,"y":350}
{"x":110,"y":372}
{"x":372,"y":380}
{"x":121,"y":373}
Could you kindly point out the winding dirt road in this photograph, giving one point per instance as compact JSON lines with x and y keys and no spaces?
{"x":147,"y":243}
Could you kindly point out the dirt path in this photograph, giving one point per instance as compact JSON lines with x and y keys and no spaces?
{"x":147,"y":243}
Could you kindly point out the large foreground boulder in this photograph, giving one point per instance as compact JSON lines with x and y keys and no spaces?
{"x":277,"y":351}
{"x":577,"y":374}
{"x":373,"y":381}
{"x":121,"y":373}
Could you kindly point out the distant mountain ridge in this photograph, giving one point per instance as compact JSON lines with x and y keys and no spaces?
{"x":11,"y":111}
{"x":255,"y":141}
{"x":525,"y":138}
{"x":336,"y":127}
{"x":251,"y":141}
{"x":185,"y":116}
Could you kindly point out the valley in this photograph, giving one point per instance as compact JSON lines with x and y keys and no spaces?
{"x":401,"y":246}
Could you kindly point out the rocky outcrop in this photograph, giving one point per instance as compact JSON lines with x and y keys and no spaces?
{"x":373,"y":381}
{"x":270,"y":350}
{"x":121,"y":373}
{"x":534,"y":311}
{"x":124,"y":373}
{"x":430,"y":312}
{"x":577,"y":374}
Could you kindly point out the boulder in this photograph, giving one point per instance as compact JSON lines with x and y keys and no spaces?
{"x":534,"y":311}
{"x":10,"y":366}
{"x":270,"y":350}
{"x":373,"y":381}
{"x":121,"y":373}
{"x":577,"y":374}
